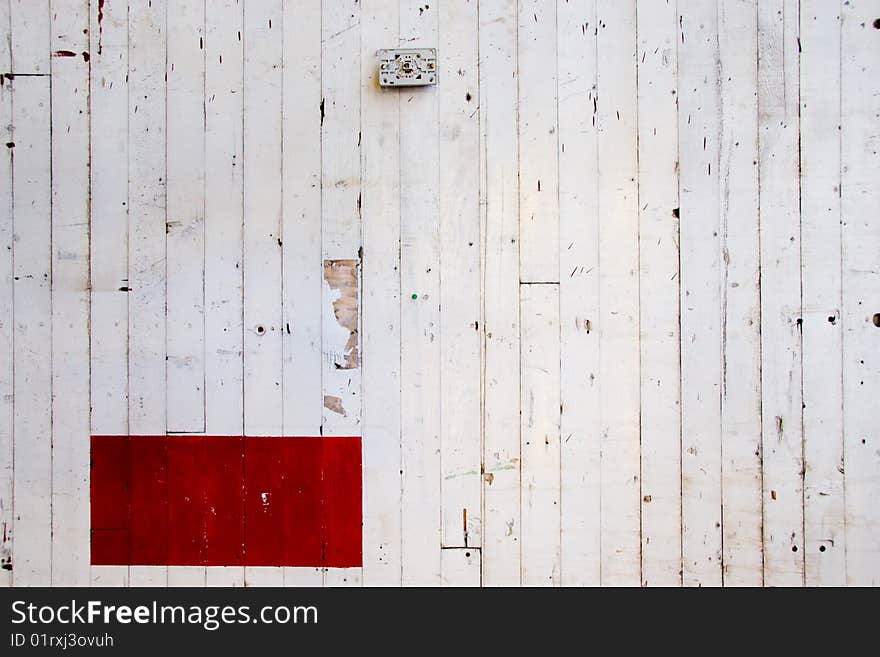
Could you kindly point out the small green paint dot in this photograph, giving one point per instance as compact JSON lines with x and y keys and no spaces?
{"x":415,"y":296}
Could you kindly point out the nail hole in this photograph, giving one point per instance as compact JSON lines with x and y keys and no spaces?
{"x":260,"y":329}
{"x":876,"y":319}
{"x":794,"y":548}
{"x":821,"y":548}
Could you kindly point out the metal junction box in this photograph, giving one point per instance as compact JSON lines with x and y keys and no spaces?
{"x":408,"y":67}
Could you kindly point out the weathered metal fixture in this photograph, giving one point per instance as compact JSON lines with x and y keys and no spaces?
{"x":408,"y":67}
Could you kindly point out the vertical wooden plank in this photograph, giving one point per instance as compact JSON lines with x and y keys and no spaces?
{"x":821,"y":271}
{"x":740,"y":301}
{"x":619,"y":292}
{"x":340,"y":217}
{"x":860,"y":98}
{"x":301,"y":223}
{"x":380,"y":211}
{"x":778,"y":132}
{"x":500,"y":561}
{"x":578,"y":293}
{"x":262,"y":232}
{"x":539,"y":433}
{"x":70,"y":293}
{"x":146,"y":239}
{"x":224,"y":411}
{"x":108,"y":34}
{"x":302,"y":276}
{"x":699,"y":129}
{"x":538,"y":156}
{"x":659,"y":295}
{"x":7,"y":319}
{"x":32,"y":309}
{"x":460,"y":566}
{"x":341,"y":230}
{"x":185,"y":217}
{"x":30,"y":36}
{"x":460,"y":342}
{"x":420,"y":356}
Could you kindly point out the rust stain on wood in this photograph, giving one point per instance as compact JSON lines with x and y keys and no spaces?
{"x":342,"y":277}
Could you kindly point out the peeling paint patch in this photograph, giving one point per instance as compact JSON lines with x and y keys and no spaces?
{"x":334,"y":404}
{"x":342,"y":278}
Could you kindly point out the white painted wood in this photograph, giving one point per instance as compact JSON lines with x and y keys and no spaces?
{"x":7,"y":317}
{"x":659,"y":295}
{"x":538,"y":156}
{"x":185,"y":216}
{"x":70,"y":294}
{"x":343,"y":577}
{"x":151,"y":576}
{"x":224,"y":576}
{"x":699,"y":129}
{"x":191,"y":576}
{"x":146,"y":211}
{"x":303,"y":576}
{"x":301,"y":220}
{"x":539,"y":433}
{"x":460,"y":567}
{"x":32,"y":360}
{"x":340,"y":209}
{"x":29,"y":34}
{"x":741,"y":313}
{"x":782,"y":453}
{"x":262,"y":158}
{"x":224,"y":412}
{"x":262,"y":218}
{"x":860,"y":167}
{"x":460,"y":276}
{"x":420,"y":356}
{"x":146,"y":289}
{"x":578,"y":293}
{"x":618,"y":322}
{"x":261,"y":576}
{"x":306,"y":201}
{"x":821,"y":290}
{"x":380,"y":323}
{"x":108,"y":33}
{"x":500,"y":266}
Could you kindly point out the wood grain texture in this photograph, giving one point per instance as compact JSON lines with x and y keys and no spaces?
{"x":781,"y":318}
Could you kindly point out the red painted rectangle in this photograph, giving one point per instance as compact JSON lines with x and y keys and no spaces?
{"x":341,"y":480}
{"x":110,"y":482}
{"x":149,"y":492}
{"x":226,"y":500}
{"x":264,"y":501}
{"x":303,"y":535}
{"x":110,"y":495}
{"x":187,"y":462}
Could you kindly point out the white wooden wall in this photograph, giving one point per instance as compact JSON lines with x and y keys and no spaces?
{"x":620,"y":277}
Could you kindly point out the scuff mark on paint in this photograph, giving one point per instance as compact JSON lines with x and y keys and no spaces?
{"x":6,"y":549}
{"x":342,"y":278}
{"x":100,"y":25}
{"x":334,"y":404}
